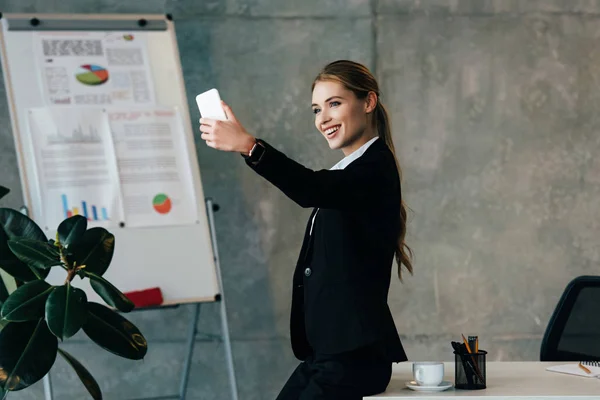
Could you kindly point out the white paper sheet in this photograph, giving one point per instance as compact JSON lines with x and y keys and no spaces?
{"x":154,"y":169}
{"x":94,"y":68}
{"x":574,"y":369}
{"x":76,"y":166}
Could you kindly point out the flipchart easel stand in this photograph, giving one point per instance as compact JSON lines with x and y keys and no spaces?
{"x":211,"y":207}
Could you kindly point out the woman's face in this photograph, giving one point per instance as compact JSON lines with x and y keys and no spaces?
{"x":341,"y":117}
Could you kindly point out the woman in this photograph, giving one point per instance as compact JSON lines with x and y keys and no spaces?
{"x":341,"y":326}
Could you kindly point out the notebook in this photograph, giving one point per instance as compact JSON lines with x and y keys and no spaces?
{"x":575,"y":369}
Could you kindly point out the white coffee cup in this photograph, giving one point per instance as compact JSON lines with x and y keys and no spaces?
{"x":428,"y":373}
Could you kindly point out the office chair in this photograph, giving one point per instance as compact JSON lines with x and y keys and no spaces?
{"x":573,"y":332}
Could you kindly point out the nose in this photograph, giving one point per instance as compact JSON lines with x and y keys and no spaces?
{"x":324,"y":119}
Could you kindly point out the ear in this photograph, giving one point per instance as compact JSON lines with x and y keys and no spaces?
{"x":371,"y":102}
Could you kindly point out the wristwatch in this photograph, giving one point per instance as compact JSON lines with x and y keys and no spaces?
{"x":256,"y":152}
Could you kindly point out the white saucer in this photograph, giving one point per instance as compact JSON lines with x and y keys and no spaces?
{"x":441,"y":387}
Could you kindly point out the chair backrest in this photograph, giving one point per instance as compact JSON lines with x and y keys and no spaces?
{"x":573,"y":332}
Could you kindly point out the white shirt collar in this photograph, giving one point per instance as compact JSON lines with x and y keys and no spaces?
{"x":354,"y":155}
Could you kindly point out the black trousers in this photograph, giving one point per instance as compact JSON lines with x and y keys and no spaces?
{"x":345,"y":376}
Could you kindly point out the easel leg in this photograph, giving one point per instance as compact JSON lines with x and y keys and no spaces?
{"x":210,"y":208}
{"x":47,"y":387}
{"x":191,"y":340}
{"x":228,"y":353}
{"x":47,"y":381}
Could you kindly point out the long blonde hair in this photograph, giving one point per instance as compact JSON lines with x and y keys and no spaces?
{"x":358,"y":79}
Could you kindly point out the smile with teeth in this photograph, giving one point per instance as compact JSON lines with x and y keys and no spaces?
{"x":332,"y":130}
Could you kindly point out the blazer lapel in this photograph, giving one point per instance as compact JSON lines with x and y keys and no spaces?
{"x":307,"y":235}
{"x":305,"y":243}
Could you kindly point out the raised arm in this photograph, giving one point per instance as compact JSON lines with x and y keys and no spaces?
{"x":366,"y":180}
{"x":369,"y":180}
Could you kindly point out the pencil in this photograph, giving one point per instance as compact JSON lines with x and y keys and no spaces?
{"x":466,"y":343}
{"x":584,"y":368}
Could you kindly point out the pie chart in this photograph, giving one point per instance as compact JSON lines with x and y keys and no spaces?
{"x":161,"y":203}
{"x":91,"y":75}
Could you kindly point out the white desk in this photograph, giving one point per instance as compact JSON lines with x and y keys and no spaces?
{"x":504,"y":380}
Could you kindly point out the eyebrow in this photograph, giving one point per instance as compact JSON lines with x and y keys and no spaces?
{"x":331,"y":98}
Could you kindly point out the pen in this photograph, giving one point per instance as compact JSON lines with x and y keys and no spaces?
{"x":473,"y":343}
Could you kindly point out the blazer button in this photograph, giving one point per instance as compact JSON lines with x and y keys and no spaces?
{"x":307,"y":272}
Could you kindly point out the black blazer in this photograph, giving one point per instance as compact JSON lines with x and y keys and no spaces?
{"x":342,"y":277}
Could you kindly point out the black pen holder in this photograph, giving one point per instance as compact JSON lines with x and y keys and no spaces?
{"x":469,"y":370}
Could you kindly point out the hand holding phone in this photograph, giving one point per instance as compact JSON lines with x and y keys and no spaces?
{"x":209,"y":105}
{"x":226,"y":136}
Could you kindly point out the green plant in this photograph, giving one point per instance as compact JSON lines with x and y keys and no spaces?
{"x":36,"y":315}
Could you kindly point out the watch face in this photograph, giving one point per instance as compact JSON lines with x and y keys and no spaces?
{"x":257,"y":152}
{"x":259,"y":148}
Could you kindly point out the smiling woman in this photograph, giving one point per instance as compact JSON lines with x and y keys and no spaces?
{"x":341,"y":326}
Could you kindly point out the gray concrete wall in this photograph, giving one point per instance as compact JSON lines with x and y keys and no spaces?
{"x":493,"y":104}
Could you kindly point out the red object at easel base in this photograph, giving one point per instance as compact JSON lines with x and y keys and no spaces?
{"x":146,"y":297}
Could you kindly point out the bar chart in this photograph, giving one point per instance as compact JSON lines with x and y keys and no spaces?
{"x":93,"y":213}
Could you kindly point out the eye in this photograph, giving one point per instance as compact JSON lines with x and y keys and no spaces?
{"x":315,"y":111}
{"x":334,"y":103}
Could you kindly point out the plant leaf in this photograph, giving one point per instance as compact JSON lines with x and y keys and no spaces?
{"x":66,"y":311}
{"x":86,"y":378}
{"x":3,"y":296}
{"x":27,"y":302}
{"x":40,"y":255}
{"x":94,"y":250}
{"x":114,"y":333}
{"x":27,"y":352}
{"x":18,"y":269}
{"x":14,"y":225}
{"x":3,"y":192}
{"x":109,"y":293}
{"x":71,"y":229}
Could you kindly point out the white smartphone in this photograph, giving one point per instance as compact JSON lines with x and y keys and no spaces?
{"x":209,"y":104}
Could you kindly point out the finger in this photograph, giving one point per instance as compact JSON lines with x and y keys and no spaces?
{"x":206,"y":129}
{"x":207,"y":121}
{"x":207,"y":136}
{"x":228,"y":112}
